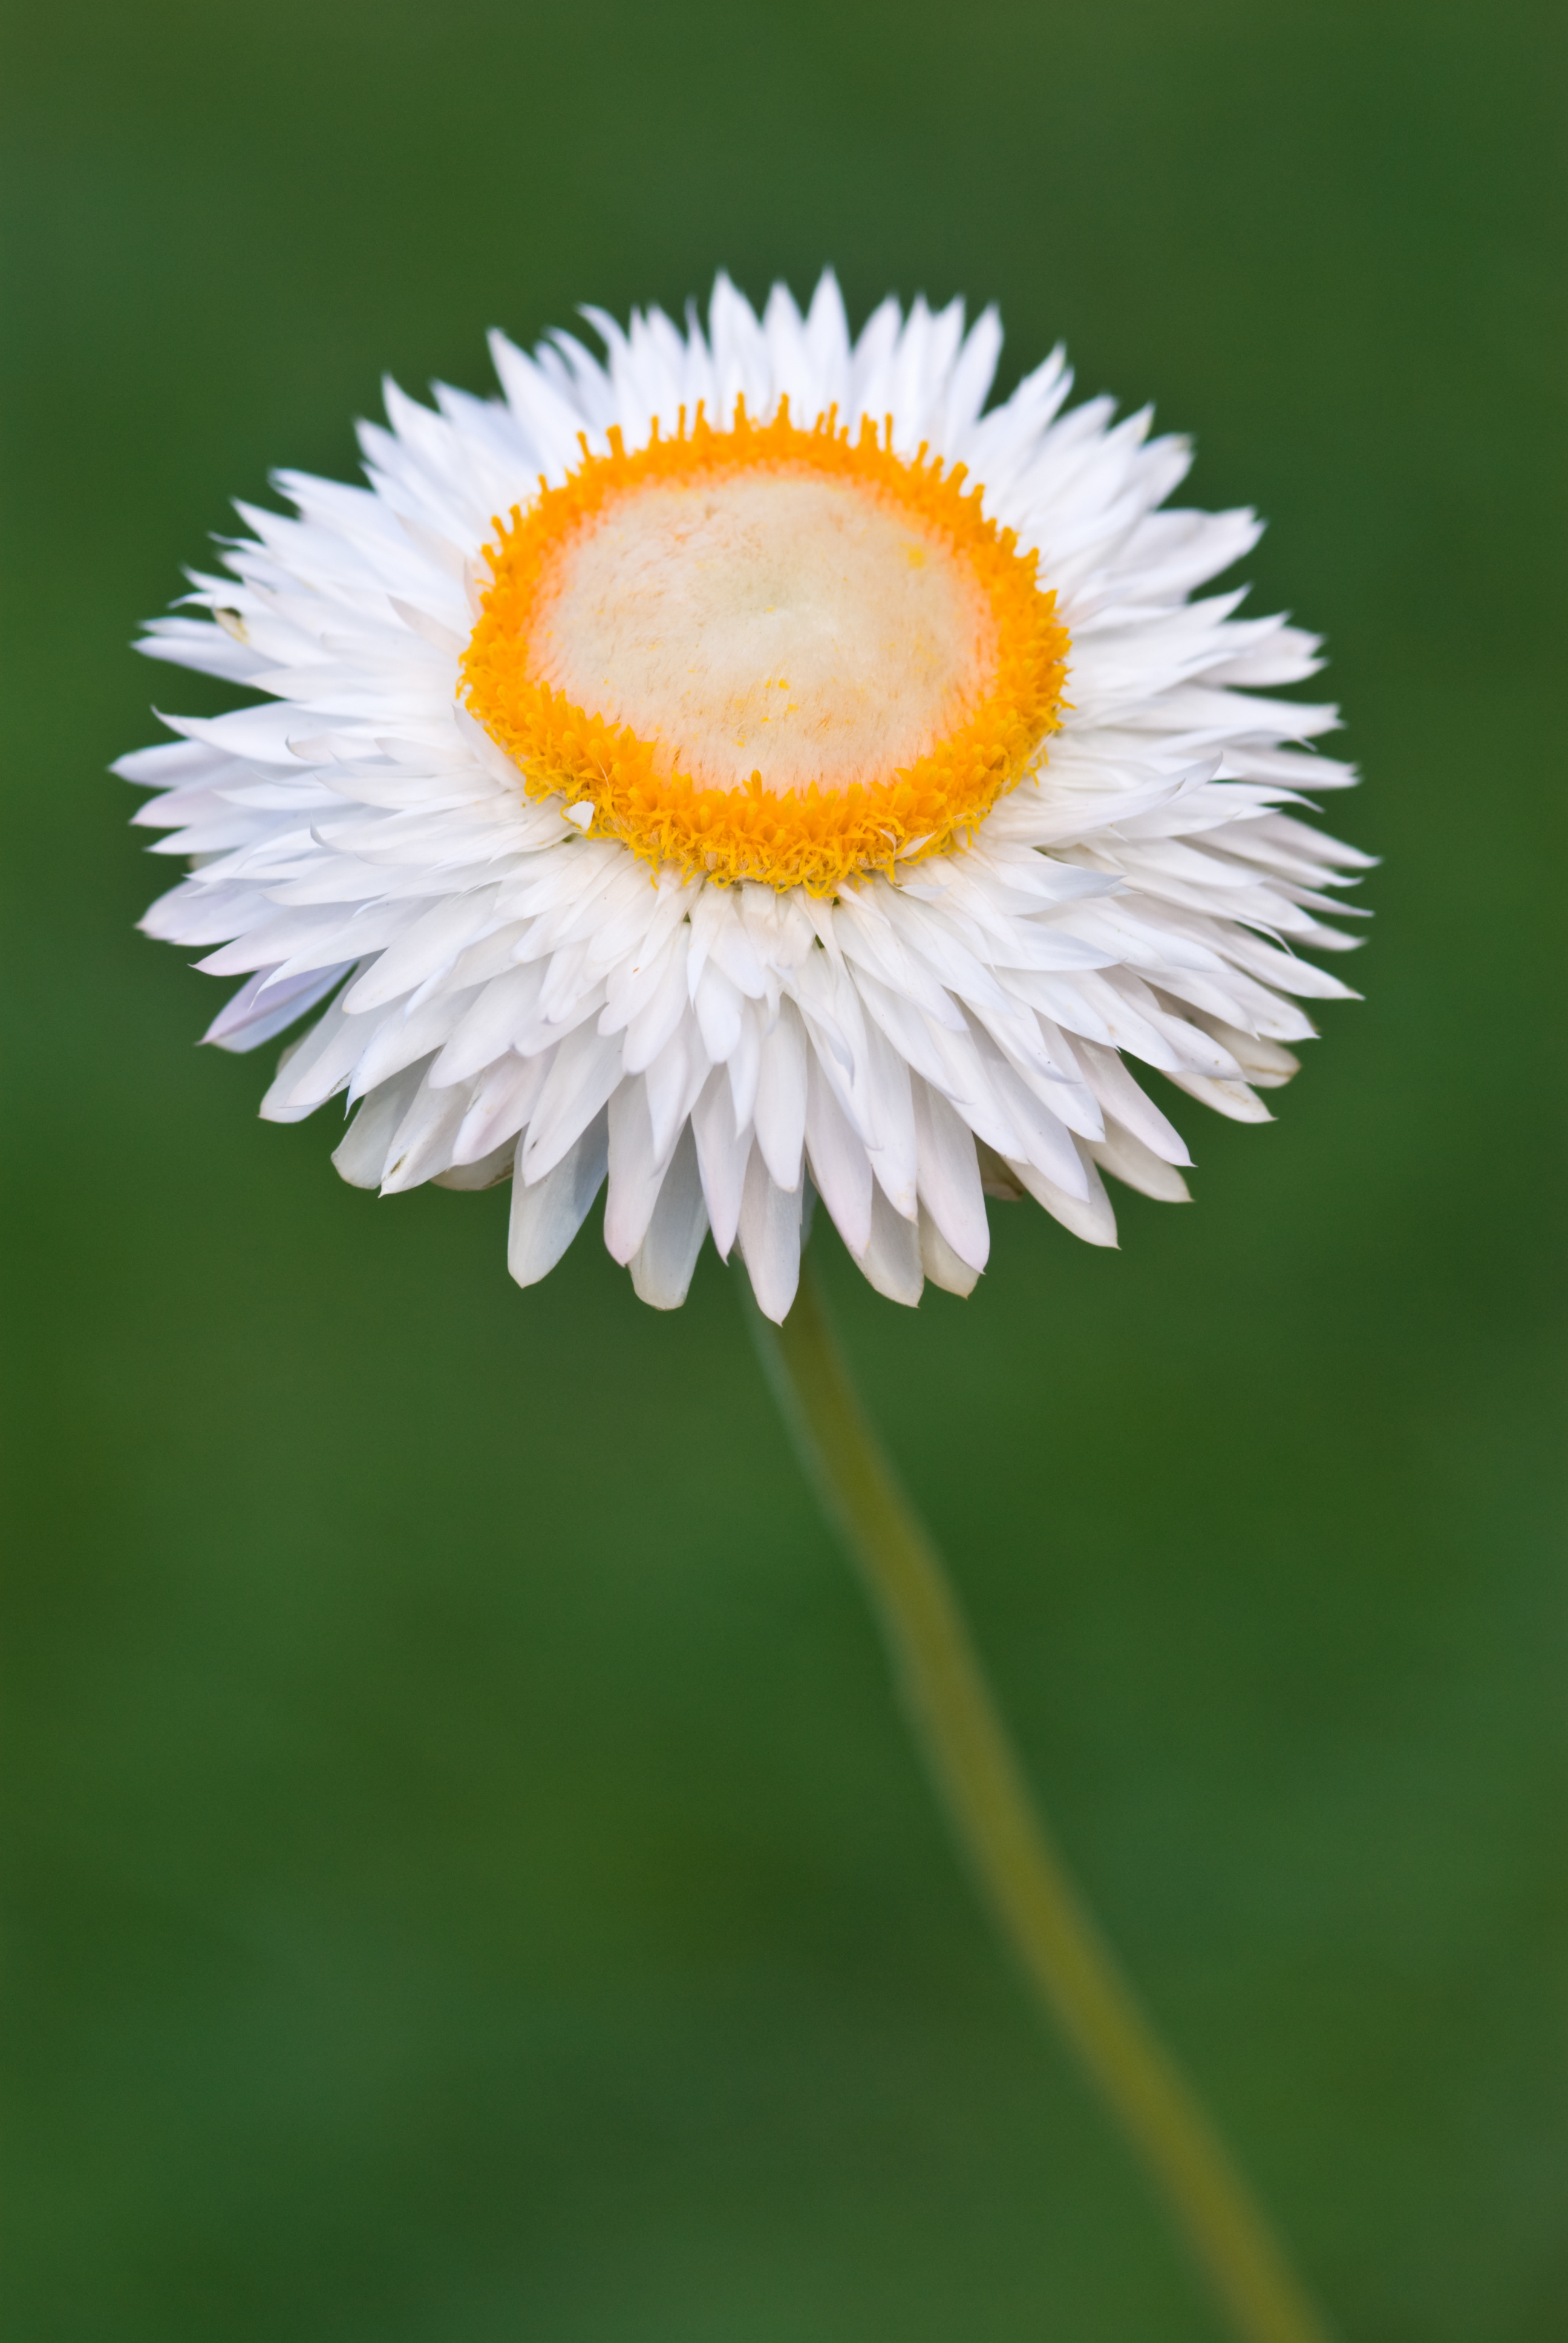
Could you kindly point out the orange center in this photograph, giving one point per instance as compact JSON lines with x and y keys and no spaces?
{"x":766,"y":653}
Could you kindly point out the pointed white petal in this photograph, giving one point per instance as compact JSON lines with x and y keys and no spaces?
{"x":723,"y":1153}
{"x":940,"y":1262}
{"x":949,"y":1181}
{"x":1088,"y":1216}
{"x":586,"y":1069}
{"x":361,"y":1158}
{"x":770,"y":1238}
{"x":781,"y":1108}
{"x":891,"y":1260}
{"x":662,"y":1268}
{"x":636,"y":1172}
{"x":840,"y":1164}
{"x":1138,"y":1166}
{"x":548,"y":1215}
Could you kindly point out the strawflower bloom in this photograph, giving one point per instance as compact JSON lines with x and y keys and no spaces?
{"x":745,"y":768}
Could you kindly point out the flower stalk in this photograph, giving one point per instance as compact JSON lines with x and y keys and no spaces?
{"x":1019,"y":1873}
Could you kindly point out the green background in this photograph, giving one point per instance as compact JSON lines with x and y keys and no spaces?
{"x":466,"y":1878}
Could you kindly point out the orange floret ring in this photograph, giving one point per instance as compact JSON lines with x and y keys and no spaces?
{"x":819,"y":835}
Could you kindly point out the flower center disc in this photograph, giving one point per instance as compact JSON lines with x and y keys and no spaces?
{"x":776,"y":621}
{"x":766,"y":653}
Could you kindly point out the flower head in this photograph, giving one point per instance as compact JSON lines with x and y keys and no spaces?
{"x":743,"y":768}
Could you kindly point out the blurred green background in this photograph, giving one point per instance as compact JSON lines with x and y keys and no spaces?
{"x":467,"y":1879}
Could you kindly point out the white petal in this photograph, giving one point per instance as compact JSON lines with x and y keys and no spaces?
{"x":318,"y":1066}
{"x":502,"y":1015}
{"x":722,"y":1153}
{"x":770,"y":1238}
{"x":940,"y":1262}
{"x":499,"y":1104}
{"x":745,"y":1066}
{"x":549,"y":1214}
{"x":256,"y":1013}
{"x":891,"y":1260}
{"x":1138,"y":1166}
{"x":1088,"y":1216}
{"x":396,"y":1040}
{"x":587,"y":1069}
{"x":433,"y":942}
{"x":1047,"y":1142}
{"x":719,"y":1003}
{"x":423,"y":1142}
{"x":893,"y":1112}
{"x":662,"y":1268}
{"x":840,"y":1164}
{"x":488,"y":1173}
{"x":653,"y":1023}
{"x":781,"y":1108}
{"x":1121,"y":1096}
{"x":361,"y":1158}
{"x":673,"y":1081}
{"x":636,"y":1172}
{"x":949,"y":1181}
{"x":1232,"y":1100}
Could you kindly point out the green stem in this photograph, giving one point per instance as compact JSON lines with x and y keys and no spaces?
{"x":1019,"y":1873}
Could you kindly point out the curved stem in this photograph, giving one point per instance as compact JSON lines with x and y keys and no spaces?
{"x":1019,"y":1873}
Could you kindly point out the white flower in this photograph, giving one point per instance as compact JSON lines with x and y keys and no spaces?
{"x":743,"y":816}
